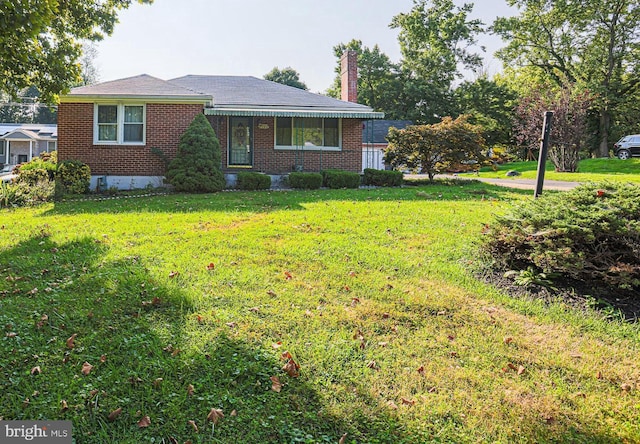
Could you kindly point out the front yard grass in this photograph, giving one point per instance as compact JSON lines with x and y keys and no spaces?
{"x":176,"y":305}
{"x":589,"y":170}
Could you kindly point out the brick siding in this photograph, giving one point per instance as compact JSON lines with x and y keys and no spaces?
{"x":166,"y":123}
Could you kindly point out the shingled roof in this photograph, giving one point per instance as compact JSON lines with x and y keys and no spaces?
{"x":226,"y":95}
{"x":143,"y":87}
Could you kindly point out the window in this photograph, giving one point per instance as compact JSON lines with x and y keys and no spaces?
{"x":51,"y":146}
{"x":2,"y":142}
{"x":119,"y":124}
{"x":307,"y":132}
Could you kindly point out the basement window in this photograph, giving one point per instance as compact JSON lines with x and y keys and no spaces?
{"x":119,"y":124}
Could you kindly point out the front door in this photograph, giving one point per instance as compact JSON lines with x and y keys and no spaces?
{"x":241,"y":141}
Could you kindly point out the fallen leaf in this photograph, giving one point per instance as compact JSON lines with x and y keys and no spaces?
{"x":521,"y":370}
{"x":285,"y":356}
{"x":421,"y":370}
{"x":599,"y":375}
{"x":355,"y":301}
{"x":342,"y":440}
{"x":385,"y":315}
{"x":86,"y":368}
{"x":451,"y":337}
{"x":190,"y":390}
{"x":626,"y":387}
{"x":156,"y":301}
{"x":71,"y":341}
{"x":292,"y":368}
{"x":103,"y":358}
{"x":176,"y":352}
{"x":144,"y":422}
{"x":11,"y":334}
{"x":173,"y":274}
{"x":408,"y":401}
{"x":64,"y":406}
{"x":372,"y":365}
{"x":113,"y":415}
{"x":453,"y":354}
{"x":512,"y":367}
{"x":392,"y":405}
{"x":277,"y":345}
{"x":168,"y":348}
{"x":276,"y":385}
{"x":26,"y":402}
{"x":383,"y":344}
{"x":215,"y":415}
{"x":231,"y":324}
{"x":254,"y":309}
{"x":36,"y":370}
{"x":134,"y":380}
{"x":272,"y":293}
{"x":346,"y":288}
{"x":308,"y":314}
{"x":200,"y":319}
{"x":157,"y":382}
{"x":353,"y":274}
{"x":508,"y":340}
{"x":211,"y":266}
{"x":288,"y":276}
{"x":234,"y":412}
{"x":93,"y":393}
{"x":193,"y":425}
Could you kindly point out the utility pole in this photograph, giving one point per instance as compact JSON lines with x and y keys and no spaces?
{"x":544,"y":149}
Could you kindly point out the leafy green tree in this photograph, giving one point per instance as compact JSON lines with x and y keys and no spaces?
{"x":379,"y":81}
{"x":436,"y":148}
{"x":196,"y":167}
{"x":40,"y":41}
{"x":593,"y":43}
{"x":436,"y":42}
{"x":489,"y":104}
{"x":287,"y":76}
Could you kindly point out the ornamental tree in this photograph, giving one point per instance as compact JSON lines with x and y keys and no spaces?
{"x":196,"y":167}
{"x":41,"y":41}
{"x":434,"y":149}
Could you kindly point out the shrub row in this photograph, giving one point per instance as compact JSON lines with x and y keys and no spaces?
{"x":252,"y":181}
{"x":305,"y":181}
{"x":382,"y":178}
{"x":338,"y":179}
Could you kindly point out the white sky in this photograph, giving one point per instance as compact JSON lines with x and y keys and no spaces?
{"x":172,"y":38}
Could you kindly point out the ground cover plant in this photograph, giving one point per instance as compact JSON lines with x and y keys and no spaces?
{"x":589,"y":170}
{"x":296,"y":316}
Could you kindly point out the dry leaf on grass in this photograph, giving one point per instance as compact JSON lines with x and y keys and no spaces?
{"x":71,"y":342}
{"x":193,"y":425}
{"x":144,"y":422}
{"x":276,"y":385}
{"x":215,"y":415}
{"x":86,"y":368}
{"x":113,"y":415}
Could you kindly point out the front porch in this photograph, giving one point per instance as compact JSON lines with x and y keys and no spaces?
{"x":21,"y":143}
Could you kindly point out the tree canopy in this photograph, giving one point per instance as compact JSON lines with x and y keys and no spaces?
{"x":287,"y":76}
{"x":40,"y":41}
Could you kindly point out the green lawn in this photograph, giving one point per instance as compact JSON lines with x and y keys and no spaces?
{"x":589,"y":170}
{"x":186,"y":303}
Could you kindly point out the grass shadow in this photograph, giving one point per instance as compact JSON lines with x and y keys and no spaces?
{"x":103,"y":343}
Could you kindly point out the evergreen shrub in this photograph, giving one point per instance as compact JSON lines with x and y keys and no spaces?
{"x":305,"y":181}
{"x":250,"y":181}
{"x":382,"y":178}
{"x":337,"y":179}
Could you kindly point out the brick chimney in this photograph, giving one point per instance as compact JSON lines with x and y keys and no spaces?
{"x":349,"y":76}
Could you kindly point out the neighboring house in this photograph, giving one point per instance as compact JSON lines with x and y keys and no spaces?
{"x":118,"y":127}
{"x":21,"y":142}
{"x":374,"y":141}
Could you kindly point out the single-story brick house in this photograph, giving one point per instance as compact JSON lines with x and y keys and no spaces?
{"x":118,"y":127}
{"x":21,"y":142}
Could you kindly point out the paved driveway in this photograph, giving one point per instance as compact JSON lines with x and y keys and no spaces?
{"x":523,"y":184}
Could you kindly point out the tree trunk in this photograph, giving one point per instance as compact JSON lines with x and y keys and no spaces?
{"x":605,"y":121}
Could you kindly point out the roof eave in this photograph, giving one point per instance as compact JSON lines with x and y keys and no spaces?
{"x":293,"y":112}
{"x":205,"y":100}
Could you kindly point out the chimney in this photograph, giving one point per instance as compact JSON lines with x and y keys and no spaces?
{"x":349,"y":76}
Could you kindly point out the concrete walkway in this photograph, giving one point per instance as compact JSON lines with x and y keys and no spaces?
{"x":523,"y":184}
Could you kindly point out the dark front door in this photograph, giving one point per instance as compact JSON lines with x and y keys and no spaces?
{"x":23,"y":158}
{"x":241,"y":141}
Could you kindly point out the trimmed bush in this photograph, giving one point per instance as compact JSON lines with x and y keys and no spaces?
{"x":41,"y":168}
{"x":73,"y":177}
{"x":250,"y":181}
{"x":305,"y":181}
{"x":337,"y":179}
{"x":590,"y":234}
{"x":382,"y":178}
{"x":196,"y":167}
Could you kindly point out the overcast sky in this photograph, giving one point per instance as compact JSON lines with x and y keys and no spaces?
{"x":172,"y":38}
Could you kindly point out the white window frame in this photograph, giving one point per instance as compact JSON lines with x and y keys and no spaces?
{"x":3,"y":143}
{"x":119,"y":124}
{"x":307,"y":148}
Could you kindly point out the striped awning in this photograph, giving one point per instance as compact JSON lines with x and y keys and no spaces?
{"x":240,"y":112}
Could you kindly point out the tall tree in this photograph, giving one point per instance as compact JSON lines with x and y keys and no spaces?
{"x":437,"y":42}
{"x":287,"y":76}
{"x":593,"y":43}
{"x":89,"y":74}
{"x":40,"y":41}
{"x":379,"y":83}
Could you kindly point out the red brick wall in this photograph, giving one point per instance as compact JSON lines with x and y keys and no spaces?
{"x":266,"y":159}
{"x":165,"y":125}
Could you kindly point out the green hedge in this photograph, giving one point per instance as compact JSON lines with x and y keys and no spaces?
{"x":337,"y":179}
{"x":250,"y":181}
{"x":305,"y":181}
{"x":382,"y":178}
